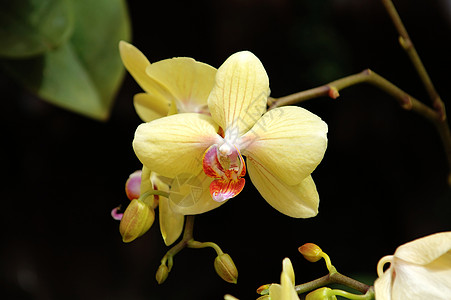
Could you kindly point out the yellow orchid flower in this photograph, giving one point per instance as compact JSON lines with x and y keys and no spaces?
{"x":176,"y":85}
{"x":181,"y":81}
{"x":420,"y":269}
{"x":282,"y":146}
{"x":285,"y":290}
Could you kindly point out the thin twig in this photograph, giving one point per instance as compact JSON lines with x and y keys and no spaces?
{"x":405,"y":100}
{"x":407,"y":44}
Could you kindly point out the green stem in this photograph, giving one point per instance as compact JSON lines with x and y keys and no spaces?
{"x":198,"y":245}
{"x":367,"y":296}
{"x":149,"y":194}
{"x":187,"y":236}
{"x":187,"y":241}
{"x":333,"y":277}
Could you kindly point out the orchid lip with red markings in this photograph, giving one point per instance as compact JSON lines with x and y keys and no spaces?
{"x":226,"y":165}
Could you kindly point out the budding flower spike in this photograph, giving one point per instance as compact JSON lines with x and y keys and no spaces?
{"x":313,"y":253}
{"x":282,"y":146}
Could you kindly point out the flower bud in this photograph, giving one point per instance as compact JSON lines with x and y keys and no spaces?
{"x":225,"y":268}
{"x":323,"y":293}
{"x":162,"y":273}
{"x":311,"y":252}
{"x":133,"y":185}
{"x":137,"y":219}
{"x":264,"y":289}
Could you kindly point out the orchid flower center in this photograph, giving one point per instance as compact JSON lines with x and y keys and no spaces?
{"x":225,"y":164}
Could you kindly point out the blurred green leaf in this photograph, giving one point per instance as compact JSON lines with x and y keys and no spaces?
{"x":84,"y":74}
{"x":31,"y":27}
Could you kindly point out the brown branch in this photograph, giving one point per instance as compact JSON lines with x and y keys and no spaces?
{"x":405,"y":100}
{"x":407,"y":45}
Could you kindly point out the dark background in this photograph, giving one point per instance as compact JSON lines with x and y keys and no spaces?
{"x":382,"y":181}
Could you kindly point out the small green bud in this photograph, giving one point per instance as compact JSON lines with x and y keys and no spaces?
{"x":225,"y":267}
{"x":137,"y":219}
{"x":323,"y":293}
{"x":162,"y":273}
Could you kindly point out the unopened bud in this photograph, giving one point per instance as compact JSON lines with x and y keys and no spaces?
{"x":264,"y":289}
{"x":323,"y":293}
{"x":162,"y":273}
{"x":133,"y":185}
{"x":225,"y":267}
{"x":137,"y":219}
{"x":311,"y":252}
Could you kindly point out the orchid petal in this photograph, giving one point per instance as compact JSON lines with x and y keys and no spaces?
{"x":150,"y":107}
{"x":239,"y":95}
{"x":431,"y":281}
{"x":297,"y":201}
{"x":425,"y":250}
{"x":190,"y":194}
{"x":171,"y":223}
{"x":383,"y":285}
{"x":175,"y":144}
{"x":287,"y":268}
{"x":146,"y":181}
{"x":136,"y":63}
{"x":289,"y":141}
{"x":183,"y":78}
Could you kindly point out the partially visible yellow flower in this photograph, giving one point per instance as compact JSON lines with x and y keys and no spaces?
{"x":285,"y":290}
{"x":282,"y":146}
{"x":181,"y":81}
{"x":420,"y":269}
{"x":176,"y":85}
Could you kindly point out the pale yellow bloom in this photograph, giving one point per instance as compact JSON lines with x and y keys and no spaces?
{"x":282,"y":146}
{"x":176,"y":85}
{"x":179,"y":81}
{"x":420,"y":269}
{"x":285,"y":290}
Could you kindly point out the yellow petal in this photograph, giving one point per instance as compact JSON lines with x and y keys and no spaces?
{"x":171,"y":223}
{"x":136,"y":63}
{"x":239,"y":96}
{"x":297,"y":201}
{"x":287,"y":268}
{"x":175,"y":144}
{"x":188,"y":81}
{"x":150,"y":107}
{"x":424,"y":250}
{"x":289,"y":141}
{"x":284,"y":291}
{"x":146,"y":181}
{"x":190,"y":194}
{"x":288,"y":291}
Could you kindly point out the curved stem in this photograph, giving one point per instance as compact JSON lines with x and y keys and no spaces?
{"x":405,"y":100}
{"x":367,"y":296}
{"x":407,"y":45}
{"x":332,"y":278}
{"x":197,"y":245}
{"x":187,"y":236}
